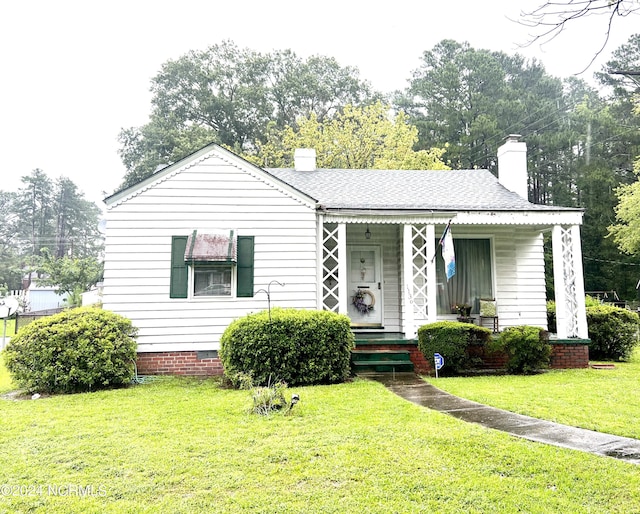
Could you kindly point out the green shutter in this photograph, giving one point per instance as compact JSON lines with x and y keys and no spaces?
{"x":245,"y":266}
{"x":179,"y":270}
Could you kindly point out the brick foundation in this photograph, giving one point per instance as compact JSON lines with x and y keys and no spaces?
{"x":179,"y":363}
{"x":570,"y":355}
{"x":564,"y":355}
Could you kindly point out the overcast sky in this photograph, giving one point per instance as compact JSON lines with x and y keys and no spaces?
{"x":74,"y":72}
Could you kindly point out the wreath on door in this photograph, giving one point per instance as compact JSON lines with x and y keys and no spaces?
{"x":363,"y":300}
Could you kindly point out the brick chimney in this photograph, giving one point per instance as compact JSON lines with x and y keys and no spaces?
{"x":512,"y":165}
{"x":304,"y":159}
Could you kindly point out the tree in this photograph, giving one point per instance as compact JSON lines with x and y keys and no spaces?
{"x":76,"y":220}
{"x":624,"y":58}
{"x":33,"y":207}
{"x":70,"y":275}
{"x":451,"y":99}
{"x":45,"y":217}
{"x":471,"y":99}
{"x":10,"y":272}
{"x":357,"y":138}
{"x":626,"y":232}
{"x":230,"y":95}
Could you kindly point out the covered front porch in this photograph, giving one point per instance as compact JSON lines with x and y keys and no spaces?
{"x":385,"y":272}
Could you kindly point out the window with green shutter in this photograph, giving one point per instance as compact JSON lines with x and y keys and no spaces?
{"x":211,"y":278}
{"x":245,"y":266}
{"x":179,"y":287}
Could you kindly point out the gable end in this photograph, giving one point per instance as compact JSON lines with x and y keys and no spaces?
{"x":197,"y":158}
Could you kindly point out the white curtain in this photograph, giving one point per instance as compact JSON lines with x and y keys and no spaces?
{"x":472,"y":280}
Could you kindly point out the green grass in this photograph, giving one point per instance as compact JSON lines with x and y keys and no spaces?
{"x":11,"y":327}
{"x":181,"y":445}
{"x":597,"y":399}
{"x":5,"y":379}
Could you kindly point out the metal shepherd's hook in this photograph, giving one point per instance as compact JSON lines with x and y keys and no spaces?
{"x":267,"y":291}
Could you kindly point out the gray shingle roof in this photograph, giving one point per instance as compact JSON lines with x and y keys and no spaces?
{"x":405,"y":189}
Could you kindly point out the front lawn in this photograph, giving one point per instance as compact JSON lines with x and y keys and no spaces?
{"x":604,"y":400}
{"x":181,"y":445}
{"x":5,"y":379}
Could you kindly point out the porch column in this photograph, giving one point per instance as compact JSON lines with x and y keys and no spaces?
{"x":432,"y":286}
{"x":343,"y":293}
{"x":408,"y":322}
{"x":419,"y":287}
{"x":568,"y":277}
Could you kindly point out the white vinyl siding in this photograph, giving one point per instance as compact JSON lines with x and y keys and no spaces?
{"x":520,"y":279}
{"x":213,"y":194}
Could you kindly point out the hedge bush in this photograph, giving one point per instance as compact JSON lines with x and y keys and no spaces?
{"x":76,"y":350}
{"x":452,"y":340}
{"x":589,"y":301}
{"x":297,"y":347}
{"x":613,"y":332}
{"x":527,"y":348}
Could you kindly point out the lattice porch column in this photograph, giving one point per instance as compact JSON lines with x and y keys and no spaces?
{"x":432,"y":291}
{"x":419,"y":291}
{"x":329,"y":273}
{"x":408,"y":322}
{"x":343,"y":293}
{"x":568,"y":277}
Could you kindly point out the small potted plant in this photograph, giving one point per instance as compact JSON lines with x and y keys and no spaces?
{"x":463,"y":309}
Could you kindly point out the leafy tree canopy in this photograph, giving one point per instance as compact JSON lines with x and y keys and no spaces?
{"x":471,"y":99}
{"x":45,"y":215}
{"x":626,"y":232}
{"x":230,"y":95}
{"x":356,"y":138}
{"x":624,"y":58}
{"x":70,"y":275}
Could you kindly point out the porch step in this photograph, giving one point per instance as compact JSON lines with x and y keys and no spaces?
{"x":381,"y":361}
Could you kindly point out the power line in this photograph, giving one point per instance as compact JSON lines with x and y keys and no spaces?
{"x":611,"y":262}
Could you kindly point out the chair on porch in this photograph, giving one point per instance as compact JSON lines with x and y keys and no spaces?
{"x":489,"y":311}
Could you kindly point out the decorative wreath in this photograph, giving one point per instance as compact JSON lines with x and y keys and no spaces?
{"x":359,"y":301}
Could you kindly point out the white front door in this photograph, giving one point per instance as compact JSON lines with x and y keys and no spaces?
{"x":364,"y":267}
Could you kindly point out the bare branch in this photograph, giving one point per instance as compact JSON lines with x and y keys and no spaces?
{"x":552,"y":18}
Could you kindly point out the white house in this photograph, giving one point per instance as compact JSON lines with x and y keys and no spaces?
{"x":200,"y":242}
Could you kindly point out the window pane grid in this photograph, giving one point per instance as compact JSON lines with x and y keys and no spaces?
{"x":212,"y":281}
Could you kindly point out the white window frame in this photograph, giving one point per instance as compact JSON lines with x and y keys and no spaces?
{"x":203,"y":266}
{"x":492,"y":255}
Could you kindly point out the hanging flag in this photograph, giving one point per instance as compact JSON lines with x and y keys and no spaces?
{"x":448,"y":253}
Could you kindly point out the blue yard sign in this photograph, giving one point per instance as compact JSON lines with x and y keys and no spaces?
{"x":438,"y":361}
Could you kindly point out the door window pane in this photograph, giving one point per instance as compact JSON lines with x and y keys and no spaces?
{"x":363,"y":266}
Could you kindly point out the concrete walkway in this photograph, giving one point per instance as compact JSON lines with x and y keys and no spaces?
{"x":412,"y":388}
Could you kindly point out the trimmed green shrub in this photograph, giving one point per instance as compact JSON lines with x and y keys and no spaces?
{"x":297,"y":347}
{"x":452,"y":340}
{"x":613,"y":332}
{"x":76,"y":350}
{"x":527,"y":348}
{"x":589,"y":301}
{"x":551,"y":316}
